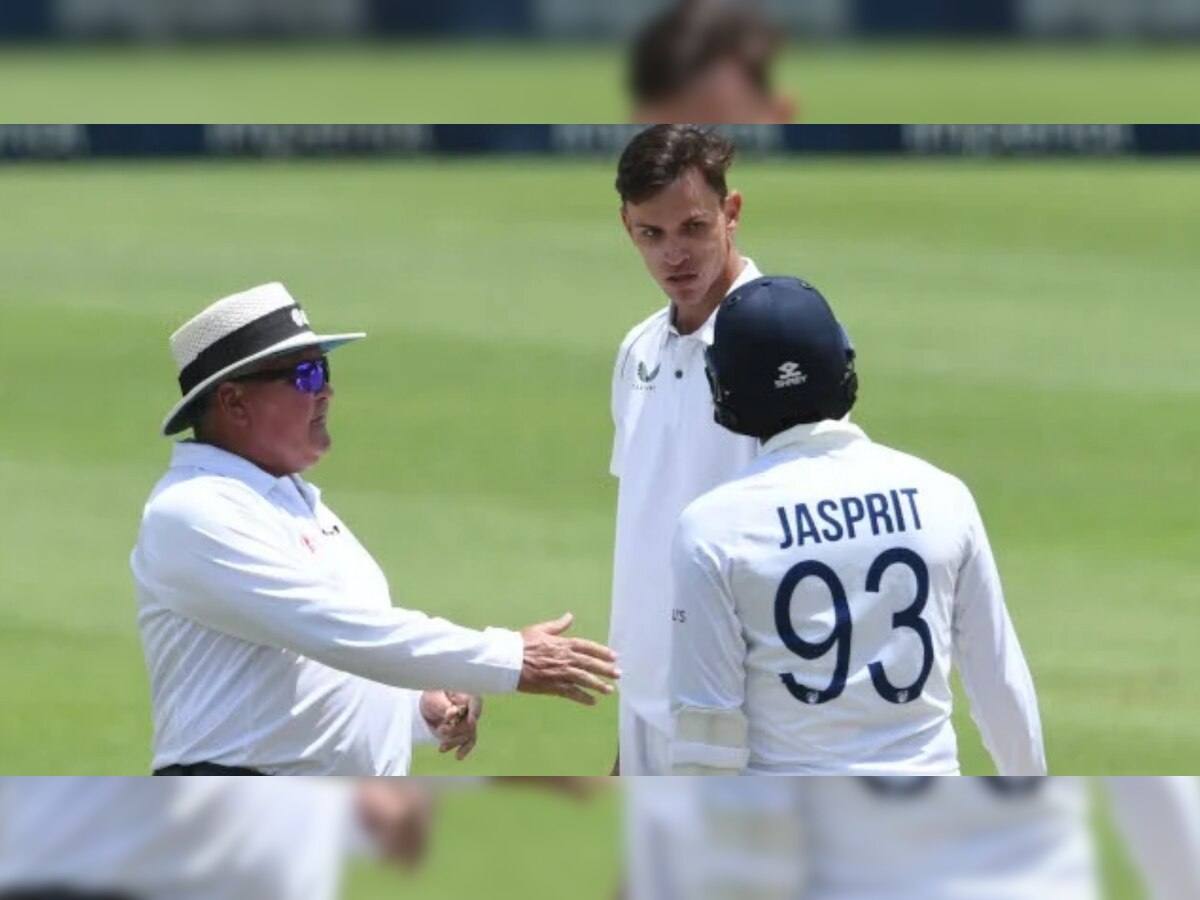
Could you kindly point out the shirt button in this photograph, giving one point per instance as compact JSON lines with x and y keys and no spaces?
{"x":679,"y":373}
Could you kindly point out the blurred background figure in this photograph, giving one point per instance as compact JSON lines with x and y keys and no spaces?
{"x":230,"y":838}
{"x":201,"y":838}
{"x":571,"y":60}
{"x":863,"y":838}
{"x":713,"y":839}
{"x":994,"y":838}
{"x":708,"y":61}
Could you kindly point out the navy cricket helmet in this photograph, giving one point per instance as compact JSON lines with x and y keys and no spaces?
{"x":778,"y":358}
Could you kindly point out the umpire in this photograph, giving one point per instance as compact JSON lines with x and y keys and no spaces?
{"x":269,"y":633}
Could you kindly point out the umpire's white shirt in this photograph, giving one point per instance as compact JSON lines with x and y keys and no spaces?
{"x":667,"y":451}
{"x":758,"y":564}
{"x":269,"y":632}
{"x":178,"y":838}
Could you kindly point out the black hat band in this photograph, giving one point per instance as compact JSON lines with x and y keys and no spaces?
{"x":242,"y":343}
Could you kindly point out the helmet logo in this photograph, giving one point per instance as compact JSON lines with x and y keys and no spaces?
{"x":790,"y":375}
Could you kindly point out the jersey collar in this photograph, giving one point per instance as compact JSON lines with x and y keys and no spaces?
{"x":826,"y":431}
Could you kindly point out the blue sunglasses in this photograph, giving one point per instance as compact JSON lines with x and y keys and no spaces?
{"x":309,"y":377}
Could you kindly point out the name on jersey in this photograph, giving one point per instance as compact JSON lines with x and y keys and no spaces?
{"x":846,"y":518}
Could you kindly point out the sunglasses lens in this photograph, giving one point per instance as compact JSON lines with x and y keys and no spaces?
{"x":311,"y":377}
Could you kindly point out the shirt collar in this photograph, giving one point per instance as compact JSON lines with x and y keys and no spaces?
{"x":206,"y":457}
{"x":705,"y":332}
{"x":827,"y":430}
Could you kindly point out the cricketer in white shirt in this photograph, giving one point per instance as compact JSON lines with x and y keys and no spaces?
{"x":994,"y":838}
{"x":889,"y":838}
{"x":269,"y":631}
{"x":667,"y":451}
{"x":822,"y":594}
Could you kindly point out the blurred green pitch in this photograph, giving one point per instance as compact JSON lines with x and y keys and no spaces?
{"x":565,"y":82}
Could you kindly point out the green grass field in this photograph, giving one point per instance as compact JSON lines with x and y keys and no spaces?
{"x":509,"y":845}
{"x":583,"y":83}
{"x":1030,"y":326}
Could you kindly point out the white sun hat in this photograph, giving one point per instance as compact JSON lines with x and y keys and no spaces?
{"x":235,"y":332}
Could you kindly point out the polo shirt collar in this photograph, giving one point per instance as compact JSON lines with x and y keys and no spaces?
{"x":206,"y":457}
{"x":705,"y":332}
{"x":825,"y":431}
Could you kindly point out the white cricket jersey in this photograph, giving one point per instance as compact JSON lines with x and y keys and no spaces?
{"x":667,"y":451}
{"x":825,"y":593}
{"x":177,"y":838}
{"x":950,"y":838}
{"x":992,"y":838}
{"x":270,"y":636}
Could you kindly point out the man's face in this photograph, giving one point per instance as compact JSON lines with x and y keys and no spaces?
{"x":685,"y":236}
{"x":281,"y":427}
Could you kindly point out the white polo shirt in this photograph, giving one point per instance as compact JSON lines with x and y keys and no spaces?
{"x":667,"y":451}
{"x":825,"y":593}
{"x":269,"y":632}
{"x":178,"y":838}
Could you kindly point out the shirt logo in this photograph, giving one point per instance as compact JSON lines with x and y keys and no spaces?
{"x":646,"y":377}
{"x":309,"y":542}
{"x":790,"y":375}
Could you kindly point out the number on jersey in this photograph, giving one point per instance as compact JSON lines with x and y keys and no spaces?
{"x":843,"y":627}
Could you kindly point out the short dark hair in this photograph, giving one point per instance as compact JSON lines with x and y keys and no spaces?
{"x":686,"y":40}
{"x":658,"y":156}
